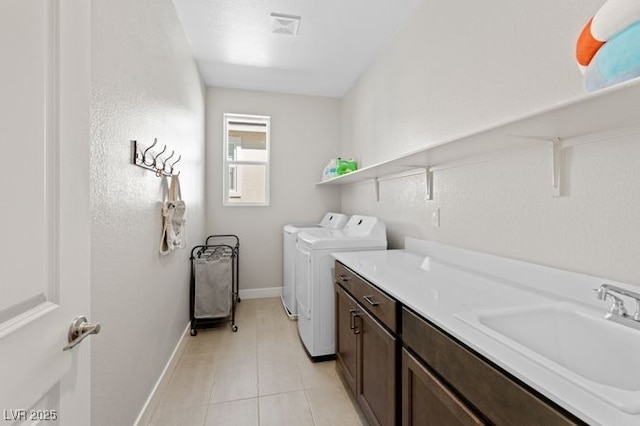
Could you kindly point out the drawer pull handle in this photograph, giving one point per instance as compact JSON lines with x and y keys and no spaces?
{"x":353,"y":314}
{"x":370,"y":300}
{"x":343,"y":277}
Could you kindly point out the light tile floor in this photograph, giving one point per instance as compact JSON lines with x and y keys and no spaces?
{"x":259,"y":375}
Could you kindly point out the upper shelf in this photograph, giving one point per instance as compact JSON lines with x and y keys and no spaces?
{"x":607,"y":109}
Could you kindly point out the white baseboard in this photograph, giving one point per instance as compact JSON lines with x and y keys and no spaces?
{"x":260,"y":293}
{"x":144,"y":418}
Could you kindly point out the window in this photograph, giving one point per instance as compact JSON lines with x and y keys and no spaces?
{"x":246,"y":160}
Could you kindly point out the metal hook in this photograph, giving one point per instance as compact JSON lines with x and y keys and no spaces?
{"x":164,"y":163}
{"x":144,"y":154}
{"x":176,"y":162}
{"x":158,"y":155}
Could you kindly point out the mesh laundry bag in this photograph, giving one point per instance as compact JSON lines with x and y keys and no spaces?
{"x":213,"y":286}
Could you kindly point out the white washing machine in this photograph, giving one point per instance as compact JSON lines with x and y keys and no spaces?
{"x":290,"y":232}
{"x":314,"y":273}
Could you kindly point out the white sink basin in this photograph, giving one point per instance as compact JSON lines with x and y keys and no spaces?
{"x":596,"y":354}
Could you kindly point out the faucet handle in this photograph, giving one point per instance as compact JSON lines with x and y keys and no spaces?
{"x":636,"y":316}
{"x":618,"y":304}
{"x":601,"y":292}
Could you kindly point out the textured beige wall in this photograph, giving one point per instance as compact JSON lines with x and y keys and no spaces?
{"x":145,"y":84}
{"x":500,"y":60}
{"x":305,"y":134}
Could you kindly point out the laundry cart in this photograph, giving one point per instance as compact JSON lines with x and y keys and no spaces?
{"x":214,"y":282}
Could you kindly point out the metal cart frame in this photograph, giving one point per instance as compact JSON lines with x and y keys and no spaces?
{"x":229,"y":244}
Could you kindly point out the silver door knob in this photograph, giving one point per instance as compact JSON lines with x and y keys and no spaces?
{"x":80,"y":329}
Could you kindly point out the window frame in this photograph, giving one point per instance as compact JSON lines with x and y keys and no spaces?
{"x":227,"y":163}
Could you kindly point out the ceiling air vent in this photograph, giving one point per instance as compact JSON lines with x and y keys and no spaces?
{"x":285,"y":24}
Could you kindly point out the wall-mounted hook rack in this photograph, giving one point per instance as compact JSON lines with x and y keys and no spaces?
{"x":147,"y":159}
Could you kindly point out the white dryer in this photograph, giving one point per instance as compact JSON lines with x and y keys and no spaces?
{"x":314,"y":274}
{"x":290,"y":232}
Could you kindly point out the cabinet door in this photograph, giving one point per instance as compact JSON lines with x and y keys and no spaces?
{"x":499,"y":398}
{"x":426,"y":401}
{"x":346,"y":358}
{"x":376,"y":387}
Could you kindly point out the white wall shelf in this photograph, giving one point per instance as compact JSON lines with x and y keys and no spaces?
{"x":604,"y":111}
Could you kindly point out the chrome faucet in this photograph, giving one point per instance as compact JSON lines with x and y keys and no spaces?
{"x":617,"y":312}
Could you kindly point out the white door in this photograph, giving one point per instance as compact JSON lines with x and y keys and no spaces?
{"x":44,"y":212}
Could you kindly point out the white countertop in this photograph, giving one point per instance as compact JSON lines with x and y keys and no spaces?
{"x":459,"y":280}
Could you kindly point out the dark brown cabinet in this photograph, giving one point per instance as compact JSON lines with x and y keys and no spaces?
{"x":376,"y":377}
{"x":434,"y":379}
{"x":493,"y":393}
{"x":366,"y":350}
{"x":346,"y":354}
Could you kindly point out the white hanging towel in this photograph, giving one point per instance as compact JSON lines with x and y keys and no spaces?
{"x":176,"y":234}
{"x":173,"y":221}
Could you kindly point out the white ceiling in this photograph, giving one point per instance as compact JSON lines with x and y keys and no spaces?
{"x":234,"y":46}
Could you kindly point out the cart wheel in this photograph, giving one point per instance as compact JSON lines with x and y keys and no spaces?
{"x":194,"y":332}
{"x":234,"y":328}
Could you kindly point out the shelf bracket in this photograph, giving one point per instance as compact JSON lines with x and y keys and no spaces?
{"x":428,"y":184}
{"x":556,"y":155}
{"x":556,"y":159}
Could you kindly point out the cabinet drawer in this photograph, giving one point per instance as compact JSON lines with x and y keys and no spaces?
{"x":381,"y":306}
{"x":347,"y":279}
{"x":501,"y":399}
